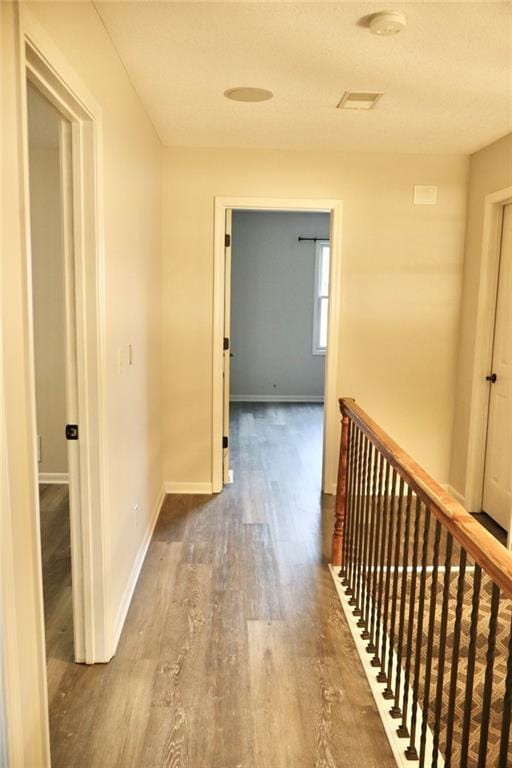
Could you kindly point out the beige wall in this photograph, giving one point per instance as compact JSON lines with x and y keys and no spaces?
{"x":49,"y":308}
{"x":490,"y":171}
{"x":132,"y":188}
{"x":132,"y":240}
{"x":401,"y":282}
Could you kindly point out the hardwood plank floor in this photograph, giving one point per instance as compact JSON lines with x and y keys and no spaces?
{"x":56,"y":561}
{"x":235,"y":653}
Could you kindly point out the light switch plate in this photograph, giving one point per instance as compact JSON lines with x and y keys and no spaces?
{"x":425,"y":195}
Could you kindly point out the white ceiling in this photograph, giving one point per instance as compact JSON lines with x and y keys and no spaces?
{"x":447,"y":79}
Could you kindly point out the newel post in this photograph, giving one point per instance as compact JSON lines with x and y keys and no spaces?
{"x":341,"y":494}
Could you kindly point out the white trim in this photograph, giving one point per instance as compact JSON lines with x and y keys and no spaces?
{"x":27,"y":736}
{"x":3,"y":713}
{"x":53,"y":478}
{"x":316,"y":349}
{"x":186,"y":488}
{"x":126,"y":599}
{"x":45,"y":66}
{"x":484,"y":333}
{"x":331,"y":414}
{"x":276,"y":398}
{"x":455,"y":493}
{"x":397,"y":744}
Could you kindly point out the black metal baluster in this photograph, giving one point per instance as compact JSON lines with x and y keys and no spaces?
{"x":357,"y":522}
{"x":384,"y":510}
{"x":375,"y":536}
{"x":361,"y":564}
{"x":489,"y":670}
{"x":382,"y":676}
{"x":459,"y":604}
{"x":442,"y":649}
{"x":507,"y":707}
{"x":411,"y":752}
{"x":370,"y":523}
{"x":395,"y":710}
{"x":348,"y":506}
{"x":402,"y":730}
{"x":389,"y":693}
{"x":353,"y":512}
{"x":470,"y":673}
{"x":430,"y":643}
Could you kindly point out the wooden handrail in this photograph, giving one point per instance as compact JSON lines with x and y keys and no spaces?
{"x":494,"y":559}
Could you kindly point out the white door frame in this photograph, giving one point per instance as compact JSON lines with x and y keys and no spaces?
{"x":484,"y":335}
{"x":331,"y":413}
{"x":44,"y":66}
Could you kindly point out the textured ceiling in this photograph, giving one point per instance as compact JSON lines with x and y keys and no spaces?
{"x":447,"y":79}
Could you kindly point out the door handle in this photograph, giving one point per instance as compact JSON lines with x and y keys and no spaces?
{"x":492,"y":378}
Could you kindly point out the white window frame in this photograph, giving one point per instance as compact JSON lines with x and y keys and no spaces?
{"x":317,"y":297}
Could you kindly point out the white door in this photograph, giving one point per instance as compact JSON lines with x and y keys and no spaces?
{"x":227,"y":345}
{"x":497,"y":492}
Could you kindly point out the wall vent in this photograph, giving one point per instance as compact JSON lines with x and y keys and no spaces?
{"x":358,"y":100}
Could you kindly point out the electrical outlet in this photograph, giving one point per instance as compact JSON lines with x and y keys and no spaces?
{"x":136,"y":511}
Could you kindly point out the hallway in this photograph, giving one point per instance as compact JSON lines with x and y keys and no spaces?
{"x":235,"y":652}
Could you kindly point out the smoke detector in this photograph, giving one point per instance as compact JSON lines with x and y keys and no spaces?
{"x":387,"y":23}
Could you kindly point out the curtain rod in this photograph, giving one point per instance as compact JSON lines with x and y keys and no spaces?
{"x":314,"y":239}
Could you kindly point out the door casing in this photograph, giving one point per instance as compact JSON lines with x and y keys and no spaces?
{"x":485,"y":318}
{"x":331,"y":413}
{"x":496,"y":500}
{"x":44,"y":67}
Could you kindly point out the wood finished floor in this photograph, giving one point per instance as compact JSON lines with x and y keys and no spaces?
{"x":56,"y":558}
{"x":235,"y":653}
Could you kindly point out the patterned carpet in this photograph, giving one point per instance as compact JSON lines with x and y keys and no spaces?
{"x":476,"y":698}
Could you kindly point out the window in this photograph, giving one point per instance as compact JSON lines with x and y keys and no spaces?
{"x":321,"y":308}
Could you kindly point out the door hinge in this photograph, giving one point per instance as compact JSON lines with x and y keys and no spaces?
{"x":227,"y":240}
{"x":71,"y":431}
{"x":225,"y":442}
{"x":226,"y":343}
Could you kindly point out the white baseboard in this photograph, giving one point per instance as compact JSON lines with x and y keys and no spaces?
{"x":456,"y":495}
{"x":53,"y":478}
{"x":171,"y":486}
{"x":383,"y":706}
{"x":276,"y":398}
{"x":126,"y":599}
{"x":449,"y":488}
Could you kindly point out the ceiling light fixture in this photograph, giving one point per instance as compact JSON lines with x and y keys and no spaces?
{"x":387,"y":23}
{"x":248,"y":94}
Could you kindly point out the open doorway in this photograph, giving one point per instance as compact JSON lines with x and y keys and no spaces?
{"x":263,"y":364}
{"x":276,"y":322}
{"x":65,"y":346}
{"x":54,"y":374}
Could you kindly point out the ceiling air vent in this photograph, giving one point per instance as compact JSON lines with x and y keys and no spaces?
{"x":358,"y":100}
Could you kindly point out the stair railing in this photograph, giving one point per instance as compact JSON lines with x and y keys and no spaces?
{"x":432,"y":593}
